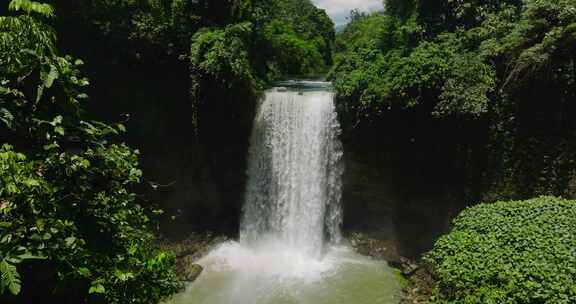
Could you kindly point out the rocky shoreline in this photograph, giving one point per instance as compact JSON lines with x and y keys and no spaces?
{"x":415,"y":277}
{"x":190,"y":250}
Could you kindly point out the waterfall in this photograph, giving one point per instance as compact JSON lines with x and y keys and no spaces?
{"x":294,"y":169}
{"x":290,"y":248}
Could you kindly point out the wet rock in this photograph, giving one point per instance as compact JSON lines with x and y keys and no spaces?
{"x":193,"y":272}
{"x":376,"y":248}
{"x":420,"y":284}
{"x":189,"y":251}
{"x":196,"y":245}
{"x":408,"y":267}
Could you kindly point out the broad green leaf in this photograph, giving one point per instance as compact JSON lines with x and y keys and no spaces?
{"x":59,"y":130}
{"x":85,"y":272}
{"x":48,"y":77}
{"x":97,"y":288}
{"x":70,"y":240}
{"x":28,"y":256}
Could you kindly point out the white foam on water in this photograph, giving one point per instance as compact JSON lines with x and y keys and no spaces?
{"x":269,"y":259}
{"x":274,"y":274}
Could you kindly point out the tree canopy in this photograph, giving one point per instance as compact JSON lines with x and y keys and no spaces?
{"x":460,"y":56}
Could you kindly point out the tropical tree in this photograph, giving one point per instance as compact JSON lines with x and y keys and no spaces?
{"x":68,"y":216}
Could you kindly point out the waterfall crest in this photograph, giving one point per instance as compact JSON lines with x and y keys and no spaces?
{"x":294,"y":174}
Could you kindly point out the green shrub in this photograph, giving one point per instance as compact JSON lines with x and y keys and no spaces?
{"x":509,"y":252}
{"x":291,"y":53}
{"x":222,"y":54}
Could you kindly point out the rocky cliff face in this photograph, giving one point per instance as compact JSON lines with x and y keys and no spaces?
{"x":380,"y":202}
{"x":403,"y":183}
{"x":398,"y":187}
{"x":197,"y":180}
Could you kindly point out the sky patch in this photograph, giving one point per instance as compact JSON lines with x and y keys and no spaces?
{"x":340,"y":9}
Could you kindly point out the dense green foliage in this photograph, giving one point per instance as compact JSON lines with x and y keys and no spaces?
{"x":455,"y":65}
{"x":68,"y":215}
{"x":270,"y":39}
{"x":506,"y":66}
{"x":148,"y":29}
{"x":504,"y":71}
{"x":234,"y":48}
{"x":479,"y":94}
{"x":509,"y":252}
{"x":275,"y":32}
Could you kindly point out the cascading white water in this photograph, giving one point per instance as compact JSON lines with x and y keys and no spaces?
{"x":293,"y":192}
{"x":290,"y":250}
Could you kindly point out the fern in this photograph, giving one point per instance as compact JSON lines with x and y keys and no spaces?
{"x":9,"y":278}
{"x":6,"y":117}
{"x":29,"y":7}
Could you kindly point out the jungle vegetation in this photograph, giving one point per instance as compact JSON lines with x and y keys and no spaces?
{"x":498,"y":75}
{"x":503,"y":71}
{"x":73,"y":228}
{"x":508,"y":252}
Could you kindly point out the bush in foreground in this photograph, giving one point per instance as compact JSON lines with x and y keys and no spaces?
{"x":508,"y":252}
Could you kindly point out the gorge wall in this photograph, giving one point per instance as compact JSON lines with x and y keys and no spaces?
{"x":400,"y":186}
{"x":403,"y":182}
